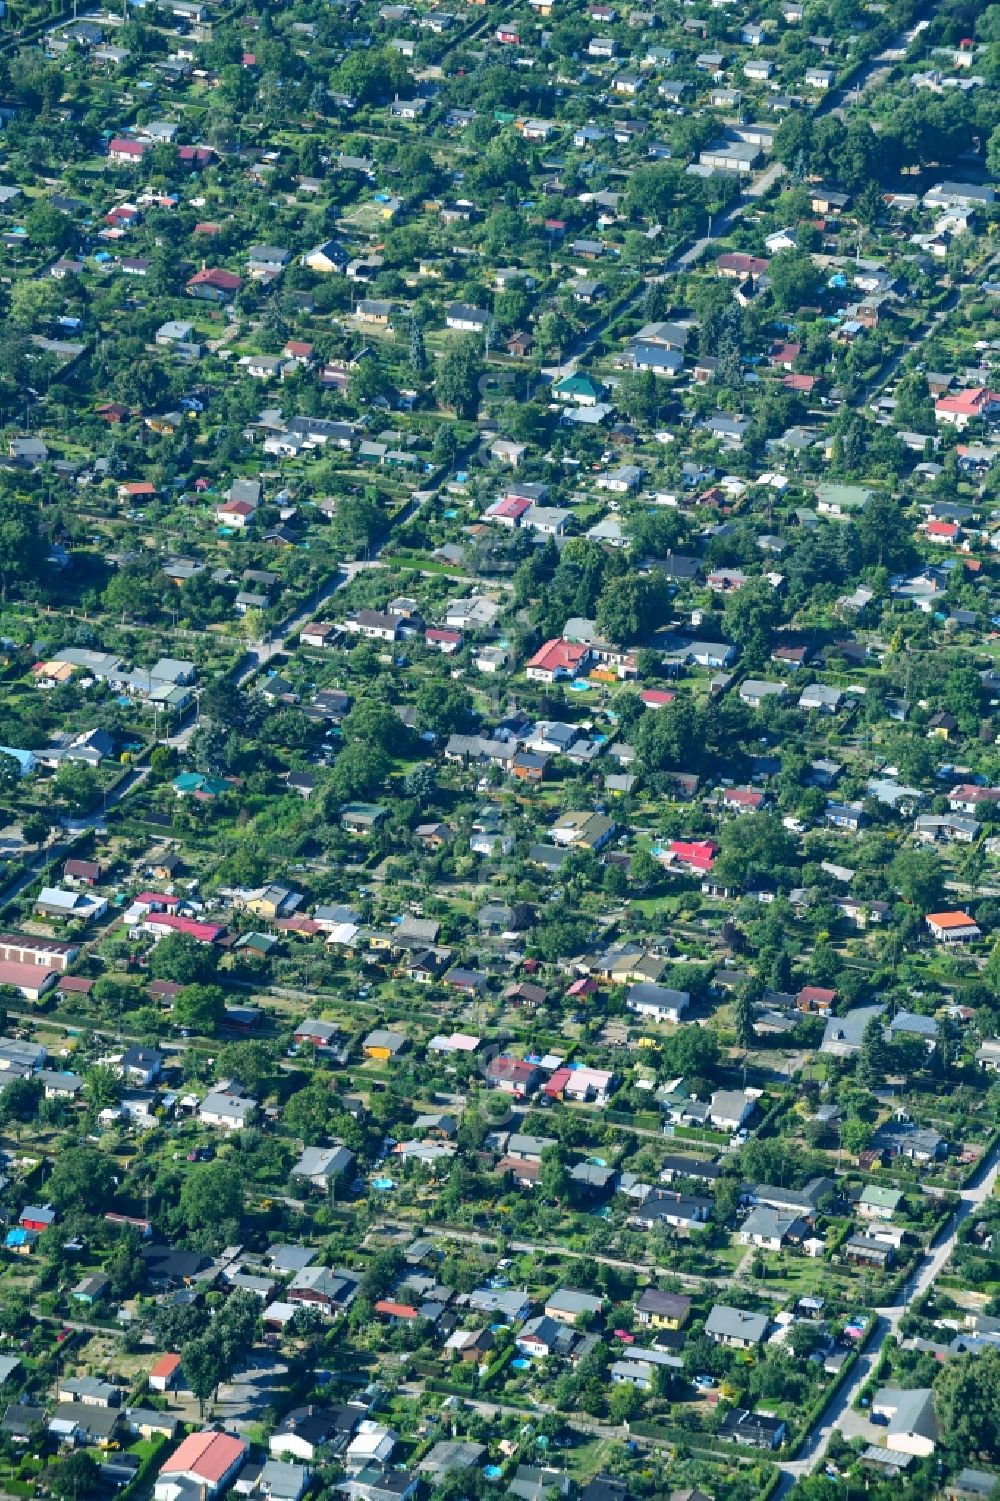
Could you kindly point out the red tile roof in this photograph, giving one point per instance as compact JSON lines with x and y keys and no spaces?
{"x":224,"y":281}
{"x":698,"y":853}
{"x":559,"y":656}
{"x":206,"y":1456}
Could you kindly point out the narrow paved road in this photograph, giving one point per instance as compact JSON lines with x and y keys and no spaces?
{"x":834,"y":1418}
{"x":720,"y":226}
{"x":62,"y":846}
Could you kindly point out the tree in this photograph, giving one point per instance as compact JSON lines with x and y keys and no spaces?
{"x":554,"y":1179}
{"x":967,"y":1403}
{"x":82,"y":1178}
{"x":177,"y":1324}
{"x":919,"y":879}
{"x":368,"y":77}
{"x":20,"y":1100}
{"x":236,"y":1327}
{"x":358,"y":522}
{"x":199,"y":1007}
{"x":632,"y":607}
{"x":49,"y":227}
{"x":203,"y":1364}
{"x":444,"y":706}
{"x":751,"y":613}
{"x":644,"y":870}
{"x":212,"y":1193}
{"x":444,"y":447}
{"x":125,"y":1264}
{"x":743,"y":1013}
{"x":10,"y":776}
{"x":458,"y":377}
{"x":375,"y":724}
{"x":309,"y":1113}
{"x":655,"y":533}
{"x":358,"y":772}
{"x":884,"y":534}
{"x":693,"y":1051}
{"x":76,"y":786}
{"x":133,"y":594}
{"x":964,"y":696}
{"x":993,"y":147}
{"x":181,"y":958}
{"x":36,"y":827}
{"x":638,"y":395}
{"x":855,"y":1134}
{"x":625,"y":1403}
{"x":794,"y":280}
{"x":251,"y":1061}
{"x":872,"y":1056}
{"x":418,"y":351}
{"x":74,"y":1477}
{"x":420,"y":784}
{"x":758,"y":847}
{"x":102,"y":1088}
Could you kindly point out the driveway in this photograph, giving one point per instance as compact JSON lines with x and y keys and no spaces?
{"x":241,"y":1401}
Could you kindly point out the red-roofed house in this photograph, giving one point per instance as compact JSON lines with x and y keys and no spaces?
{"x":195,"y":156}
{"x":74,"y":985}
{"x":743,"y":799}
{"x":203,"y":1465}
{"x":657,"y":698}
{"x":783,"y":356}
{"x":511,"y":1075}
{"x":738,"y":265}
{"x":943,"y":531}
{"x":963,"y":407}
{"x":558,"y":659}
{"x":297,"y":350}
{"x":32,"y":980}
{"x":508,"y":510}
{"x":238,"y":513}
{"x":212,"y":285}
{"x":802,"y":383}
{"x":697,"y":854}
{"x":160,"y":923}
{"x":121,"y":150}
{"x":444,"y":640}
{"x":967,"y":798}
{"x":557,"y":1083}
{"x":155,"y":901}
{"x":165,"y":1373}
{"x":815,"y":998}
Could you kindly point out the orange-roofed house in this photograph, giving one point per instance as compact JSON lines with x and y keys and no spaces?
{"x":165,"y":1373}
{"x":953,"y":927}
{"x":201,"y":1467}
{"x":396,"y":1313}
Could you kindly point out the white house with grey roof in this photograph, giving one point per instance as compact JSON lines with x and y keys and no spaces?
{"x":736,"y":1327}
{"x":321,"y":1166}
